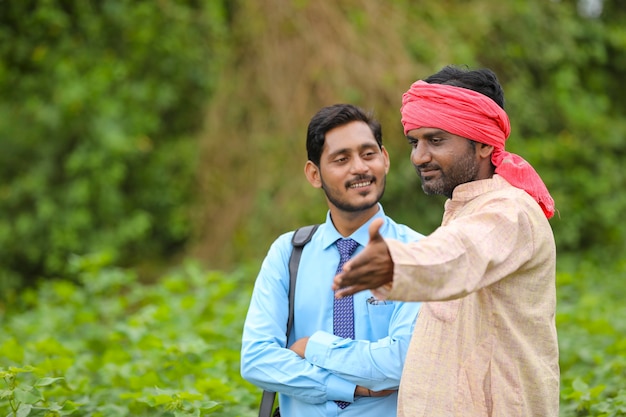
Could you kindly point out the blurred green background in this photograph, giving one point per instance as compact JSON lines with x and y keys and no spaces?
{"x":151,"y":131}
{"x":145,"y":136}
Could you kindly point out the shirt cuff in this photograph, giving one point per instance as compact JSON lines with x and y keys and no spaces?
{"x":338,"y":389}
{"x":318,"y":345}
{"x":316,"y":352}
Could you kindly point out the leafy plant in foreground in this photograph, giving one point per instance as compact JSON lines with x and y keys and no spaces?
{"x":112,"y":346}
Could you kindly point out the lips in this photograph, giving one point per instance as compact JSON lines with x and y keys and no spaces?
{"x":427,"y":172}
{"x":361,"y":184}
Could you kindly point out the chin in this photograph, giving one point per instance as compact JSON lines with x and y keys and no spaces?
{"x":430,"y":190}
{"x":364,"y":206}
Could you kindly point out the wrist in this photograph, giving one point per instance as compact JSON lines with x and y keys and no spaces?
{"x":362,"y":392}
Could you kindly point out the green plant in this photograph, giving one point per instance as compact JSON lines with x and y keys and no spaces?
{"x":110,"y":345}
{"x":100,"y":105}
{"x":591,"y":325}
{"x":29,"y":400}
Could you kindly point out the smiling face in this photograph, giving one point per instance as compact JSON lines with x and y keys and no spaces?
{"x":352,"y":169}
{"x":444,"y":160}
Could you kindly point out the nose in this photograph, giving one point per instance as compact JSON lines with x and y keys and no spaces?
{"x":359,"y":165}
{"x":420,"y":154}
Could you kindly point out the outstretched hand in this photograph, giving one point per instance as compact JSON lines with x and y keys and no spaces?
{"x":370,"y":269}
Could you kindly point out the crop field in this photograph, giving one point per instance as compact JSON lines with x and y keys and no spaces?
{"x":113,"y":346}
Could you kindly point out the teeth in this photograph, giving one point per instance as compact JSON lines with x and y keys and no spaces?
{"x":360,"y":184}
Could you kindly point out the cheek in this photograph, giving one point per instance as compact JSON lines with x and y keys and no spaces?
{"x":381,"y":165}
{"x":332,"y":176}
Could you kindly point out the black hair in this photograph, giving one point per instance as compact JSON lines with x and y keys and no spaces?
{"x":481,"y":80}
{"x":330,"y":117}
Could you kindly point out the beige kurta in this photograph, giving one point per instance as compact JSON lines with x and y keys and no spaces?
{"x":492,"y":349}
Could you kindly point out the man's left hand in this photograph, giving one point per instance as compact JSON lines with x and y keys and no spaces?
{"x":299,"y":346}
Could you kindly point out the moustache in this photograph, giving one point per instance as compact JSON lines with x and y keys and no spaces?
{"x":425,"y":167}
{"x":361,"y":178}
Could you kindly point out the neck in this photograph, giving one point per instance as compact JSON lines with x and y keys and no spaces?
{"x":347,"y":222}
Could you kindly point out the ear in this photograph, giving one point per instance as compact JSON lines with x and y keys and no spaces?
{"x":387,"y":160}
{"x":484,"y":150}
{"x":312,"y":173}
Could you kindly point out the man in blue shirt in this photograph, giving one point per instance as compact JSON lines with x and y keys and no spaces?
{"x":345,"y":363}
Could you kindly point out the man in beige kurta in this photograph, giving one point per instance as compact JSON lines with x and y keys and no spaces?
{"x":485,"y":342}
{"x":493,"y":351}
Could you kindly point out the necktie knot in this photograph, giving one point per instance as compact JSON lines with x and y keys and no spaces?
{"x":346,"y":248}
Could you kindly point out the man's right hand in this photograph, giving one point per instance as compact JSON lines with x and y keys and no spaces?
{"x":370,"y":269}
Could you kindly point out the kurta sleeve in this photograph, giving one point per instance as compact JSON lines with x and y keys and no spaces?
{"x":461,"y":257}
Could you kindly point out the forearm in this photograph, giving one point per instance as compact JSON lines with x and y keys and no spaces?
{"x":459,"y":258}
{"x":282,"y":370}
{"x":374,"y":365}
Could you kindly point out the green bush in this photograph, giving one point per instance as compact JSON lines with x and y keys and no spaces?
{"x":563,"y":71}
{"x":100,"y":105}
{"x":591,"y":328}
{"x":110,"y":346}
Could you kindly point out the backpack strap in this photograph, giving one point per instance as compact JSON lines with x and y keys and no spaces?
{"x":267,"y":404}
{"x":300,"y":237}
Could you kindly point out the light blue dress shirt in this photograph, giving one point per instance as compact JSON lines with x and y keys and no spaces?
{"x":332,"y":366}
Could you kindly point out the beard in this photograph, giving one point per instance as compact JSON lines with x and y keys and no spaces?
{"x":464,"y":170}
{"x":339,"y":199}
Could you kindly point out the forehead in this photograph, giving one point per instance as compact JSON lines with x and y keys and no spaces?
{"x":353,"y":135}
{"x":429,"y":132}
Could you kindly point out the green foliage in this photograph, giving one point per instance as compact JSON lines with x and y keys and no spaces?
{"x":99,"y":107}
{"x":561,"y":70}
{"x":28,"y":400}
{"x":102,"y":104}
{"x":591,"y":327}
{"x":111,"y":346}
{"x":562,"y":76}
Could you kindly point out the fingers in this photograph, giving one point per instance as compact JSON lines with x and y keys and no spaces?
{"x":299,"y":346}
{"x":346,"y":291}
{"x":375,"y":229}
{"x":383,"y":393}
{"x":363,"y":258}
{"x":366,"y":392}
{"x":336,"y":283}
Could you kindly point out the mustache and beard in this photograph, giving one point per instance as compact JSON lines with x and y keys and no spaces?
{"x":340,"y":200}
{"x":464,"y":170}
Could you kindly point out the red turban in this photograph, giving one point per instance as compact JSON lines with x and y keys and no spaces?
{"x":474,"y":116}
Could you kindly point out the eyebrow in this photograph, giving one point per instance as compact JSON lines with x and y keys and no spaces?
{"x":429,"y":135}
{"x":361,"y":148}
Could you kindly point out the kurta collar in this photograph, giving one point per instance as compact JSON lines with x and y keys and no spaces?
{"x":470,"y":190}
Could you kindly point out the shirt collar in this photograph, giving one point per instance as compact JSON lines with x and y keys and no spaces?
{"x":330,"y":235}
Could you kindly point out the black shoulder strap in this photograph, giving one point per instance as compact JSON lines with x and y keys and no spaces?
{"x":300,"y":237}
{"x":267,"y":404}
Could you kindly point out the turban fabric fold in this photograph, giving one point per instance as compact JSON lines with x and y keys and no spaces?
{"x":474,"y":116}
